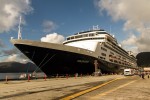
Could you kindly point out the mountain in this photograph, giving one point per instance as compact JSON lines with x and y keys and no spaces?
{"x":16,"y":67}
{"x":143,"y":59}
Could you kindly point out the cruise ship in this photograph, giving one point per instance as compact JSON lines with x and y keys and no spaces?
{"x":86,"y":52}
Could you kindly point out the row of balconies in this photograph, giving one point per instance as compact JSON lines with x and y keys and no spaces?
{"x":119,"y":61}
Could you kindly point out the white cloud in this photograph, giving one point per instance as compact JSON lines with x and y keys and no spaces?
{"x":130,"y":41}
{"x":143,"y":41}
{"x":10,"y":10}
{"x":13,"y":55}
{"x":53,"y":38}
{"x":15,"y":58}
{"x":11,"y":58}
{"x":136,"y":15}
{"x":48,"y":26}
{"x":2,"y":44}
{"x":130,"y":44}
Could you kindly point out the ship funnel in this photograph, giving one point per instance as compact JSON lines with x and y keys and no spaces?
{"x":19,"y":30}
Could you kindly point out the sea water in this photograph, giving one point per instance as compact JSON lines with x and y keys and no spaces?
{"x":16,"y":75}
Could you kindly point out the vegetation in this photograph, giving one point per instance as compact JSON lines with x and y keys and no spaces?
{"x":16,"y":67}
{"x":143,"y":59}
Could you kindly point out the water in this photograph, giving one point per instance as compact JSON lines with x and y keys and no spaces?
{"x":17,"y":75}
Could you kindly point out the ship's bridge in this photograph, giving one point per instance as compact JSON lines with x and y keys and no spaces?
{"x":111,"y":39}
{"x":87,"y":39}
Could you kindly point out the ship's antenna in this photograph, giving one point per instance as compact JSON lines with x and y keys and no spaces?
{"x":19,"y":30}
{"x":95,"y":27}
{"x":110,"y":29}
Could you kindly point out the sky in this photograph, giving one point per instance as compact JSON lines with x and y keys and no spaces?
{"x":54,"y":20}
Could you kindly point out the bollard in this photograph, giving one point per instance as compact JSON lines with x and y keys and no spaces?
{"x":75,"y":76}
{"x":57,"y":76}
{"x":28,"y":78}
{"x":81,"y":75}
{"x":36,"y":77}
{"x":67,"y":76}
{"x":45,"y":77}
{"x":6,"y":79}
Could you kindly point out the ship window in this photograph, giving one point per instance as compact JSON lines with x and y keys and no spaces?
{"x":91,"y":34}
{"x":83,"y":39}
{"x":111,"y":53}
{"x":103,"y":54}
{"x":79,"y":36}
{"x":101,"y":57}
{"x":103,"y":49}
{"x":111,"y":60}
{"x":72,"y":37}
{"x":101,"y":32}
{"x":85,"y":35}
{"x":108,"y":40}
{"x":68,"y":38}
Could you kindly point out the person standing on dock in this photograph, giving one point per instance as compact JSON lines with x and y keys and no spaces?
{"x":143,"y":75}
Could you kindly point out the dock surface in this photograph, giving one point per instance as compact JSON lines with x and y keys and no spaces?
{"x":110,"y":87}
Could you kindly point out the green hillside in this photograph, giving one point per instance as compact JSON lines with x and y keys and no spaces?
{"x":16,"y":67}
{"x":143,"y":59}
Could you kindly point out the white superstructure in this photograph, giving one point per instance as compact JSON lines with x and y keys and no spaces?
{"x":105,"y":46}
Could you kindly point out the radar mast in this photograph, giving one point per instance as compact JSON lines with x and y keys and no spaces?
{"x":19,"y":30}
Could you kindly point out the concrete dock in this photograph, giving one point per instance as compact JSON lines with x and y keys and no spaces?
{"x":61,"y":88}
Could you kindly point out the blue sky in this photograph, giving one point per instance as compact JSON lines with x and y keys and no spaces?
{"x":66,"y":17}
{"x":70,"y":16}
